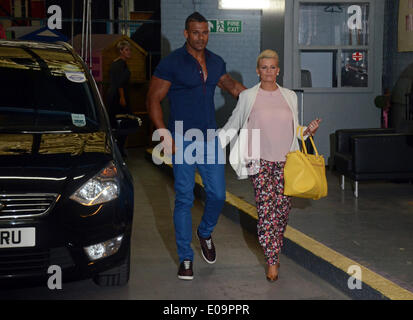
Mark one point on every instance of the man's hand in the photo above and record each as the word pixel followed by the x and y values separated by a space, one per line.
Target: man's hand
pixel 230 85
pixel 168 144
pixel 122 102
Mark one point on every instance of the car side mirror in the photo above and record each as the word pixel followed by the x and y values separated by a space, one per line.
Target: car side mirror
pixel 126 124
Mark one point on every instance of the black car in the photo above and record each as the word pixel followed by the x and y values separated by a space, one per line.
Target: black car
pixel 66 195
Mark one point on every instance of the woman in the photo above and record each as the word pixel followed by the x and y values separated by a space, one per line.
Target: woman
pixel 273 110
pixel 118 93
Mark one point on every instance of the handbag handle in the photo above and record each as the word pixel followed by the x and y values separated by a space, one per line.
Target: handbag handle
pixel 303 144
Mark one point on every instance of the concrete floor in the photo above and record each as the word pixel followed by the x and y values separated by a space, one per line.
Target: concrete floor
pixel 376 229
pixel 239 272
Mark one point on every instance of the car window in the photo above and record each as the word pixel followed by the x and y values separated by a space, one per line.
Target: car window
pixel 44 94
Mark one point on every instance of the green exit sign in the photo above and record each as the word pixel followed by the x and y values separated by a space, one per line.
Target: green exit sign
pixel 225 26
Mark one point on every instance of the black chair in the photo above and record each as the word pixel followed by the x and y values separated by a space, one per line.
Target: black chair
pixel 373 154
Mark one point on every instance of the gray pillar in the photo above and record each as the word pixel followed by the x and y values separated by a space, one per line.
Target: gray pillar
pixel 272 31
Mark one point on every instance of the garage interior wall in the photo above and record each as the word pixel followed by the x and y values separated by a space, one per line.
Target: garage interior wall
pixel 338 110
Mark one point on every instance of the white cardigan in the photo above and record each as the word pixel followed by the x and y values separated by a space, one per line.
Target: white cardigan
pixel 239 120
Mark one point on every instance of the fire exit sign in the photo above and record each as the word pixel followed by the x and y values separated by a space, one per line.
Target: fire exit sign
pixel 225 26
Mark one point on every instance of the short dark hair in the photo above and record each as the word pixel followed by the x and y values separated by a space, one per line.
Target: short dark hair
pixel 194 17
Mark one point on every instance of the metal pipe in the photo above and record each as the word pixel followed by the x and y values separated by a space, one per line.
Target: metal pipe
pixel 73 20
pixel 111 16
pixel 131 8
pixel 90 34
pixel 44 20
pixel 125 16
pixel 302 108
pixel 83 28
pixel 86 32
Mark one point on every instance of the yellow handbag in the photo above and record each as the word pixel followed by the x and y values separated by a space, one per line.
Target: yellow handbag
pixel 305 174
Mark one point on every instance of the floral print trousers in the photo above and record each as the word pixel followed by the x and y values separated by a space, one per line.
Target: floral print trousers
pixel 273 207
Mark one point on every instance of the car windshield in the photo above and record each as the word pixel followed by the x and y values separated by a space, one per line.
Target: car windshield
pixel 40 93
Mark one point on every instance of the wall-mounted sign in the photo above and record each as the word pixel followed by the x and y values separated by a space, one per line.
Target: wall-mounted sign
pixel 225 26
pixel 357 56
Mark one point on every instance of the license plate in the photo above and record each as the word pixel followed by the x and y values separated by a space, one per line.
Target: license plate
pixel 17 237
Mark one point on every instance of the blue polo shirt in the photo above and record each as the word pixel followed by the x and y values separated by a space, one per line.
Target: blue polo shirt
pixel 191 98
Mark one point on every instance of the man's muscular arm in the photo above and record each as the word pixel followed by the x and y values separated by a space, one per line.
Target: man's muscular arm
pixel 231 85
pixel 158 89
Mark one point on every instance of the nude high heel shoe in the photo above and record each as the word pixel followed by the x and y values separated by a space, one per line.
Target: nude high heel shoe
pixel 273 279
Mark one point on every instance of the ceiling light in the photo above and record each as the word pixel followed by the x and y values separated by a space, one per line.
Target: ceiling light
pixel 244 4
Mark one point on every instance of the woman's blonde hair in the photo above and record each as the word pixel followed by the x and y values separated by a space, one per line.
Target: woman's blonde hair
pixel 267 54
pixel 122 44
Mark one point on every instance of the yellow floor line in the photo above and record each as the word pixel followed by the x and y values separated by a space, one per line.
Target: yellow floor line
pixel 386 287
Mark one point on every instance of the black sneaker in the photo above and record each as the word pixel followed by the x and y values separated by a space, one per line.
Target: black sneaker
pixel 207 248
pixel 185 270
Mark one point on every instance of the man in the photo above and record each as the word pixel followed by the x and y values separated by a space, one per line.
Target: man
pixel 189 76
pixel 118 100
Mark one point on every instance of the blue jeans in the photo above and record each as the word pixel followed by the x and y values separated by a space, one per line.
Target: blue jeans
pixel 213 178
